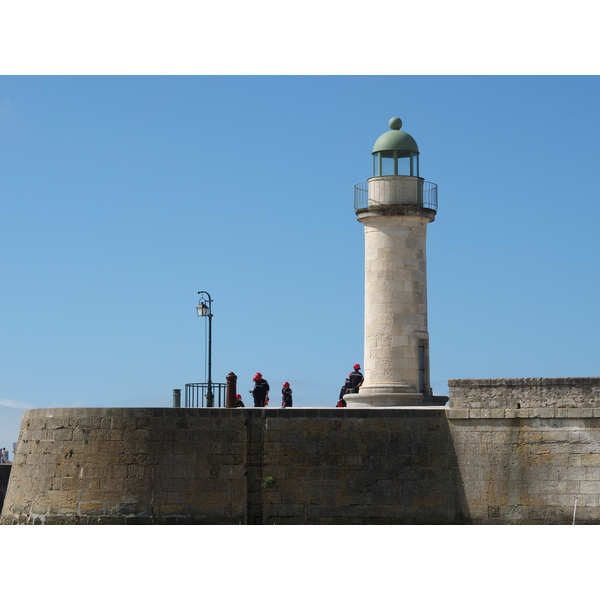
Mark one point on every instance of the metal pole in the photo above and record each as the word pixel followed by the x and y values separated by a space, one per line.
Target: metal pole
pixel 176 398
pixel 209 392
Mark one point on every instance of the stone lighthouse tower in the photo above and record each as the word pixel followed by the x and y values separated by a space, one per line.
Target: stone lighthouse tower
pixel 395 206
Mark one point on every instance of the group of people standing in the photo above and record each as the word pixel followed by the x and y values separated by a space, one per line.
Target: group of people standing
pixel 260 393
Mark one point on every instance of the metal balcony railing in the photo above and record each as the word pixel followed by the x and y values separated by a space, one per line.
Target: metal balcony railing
pixel 195 394
pixel 409 192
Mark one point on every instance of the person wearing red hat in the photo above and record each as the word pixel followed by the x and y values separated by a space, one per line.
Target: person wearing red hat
pixel 238 401
pixel 260 391
pixel 356 379
pixel 286 396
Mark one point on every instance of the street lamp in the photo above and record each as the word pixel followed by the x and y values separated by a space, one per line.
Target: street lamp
pixel 205 310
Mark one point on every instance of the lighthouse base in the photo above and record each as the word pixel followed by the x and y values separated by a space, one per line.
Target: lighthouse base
pixel 372 398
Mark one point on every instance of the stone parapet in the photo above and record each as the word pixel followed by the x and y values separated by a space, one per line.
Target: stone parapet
pixel 527 393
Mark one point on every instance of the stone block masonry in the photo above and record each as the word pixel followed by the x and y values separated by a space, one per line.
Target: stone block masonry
pixel 135 465
pixel 359 466
pixel 506 451
pixel 528 450
pixel 541 392
pixel 528 469
pixel 211 466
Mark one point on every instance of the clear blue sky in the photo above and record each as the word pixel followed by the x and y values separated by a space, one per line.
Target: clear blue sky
pixel 122 197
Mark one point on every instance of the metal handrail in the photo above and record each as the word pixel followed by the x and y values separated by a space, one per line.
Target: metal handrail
pixel 361 195
pixel 428 198
pixel 195 394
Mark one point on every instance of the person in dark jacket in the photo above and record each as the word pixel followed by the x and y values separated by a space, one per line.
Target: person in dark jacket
pixel 286 396
pixel 345 389
pixel 238 401
pixel 356 379
pixel 260 391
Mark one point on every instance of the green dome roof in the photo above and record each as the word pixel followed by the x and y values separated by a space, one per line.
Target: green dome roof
pixel 395 139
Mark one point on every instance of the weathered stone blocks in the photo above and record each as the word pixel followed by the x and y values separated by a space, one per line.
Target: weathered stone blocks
pixel 73 460
pixel 529 393
pixel 537 462
pixel 440 465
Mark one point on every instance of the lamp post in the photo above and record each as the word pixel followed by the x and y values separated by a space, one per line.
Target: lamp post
pixel 205 310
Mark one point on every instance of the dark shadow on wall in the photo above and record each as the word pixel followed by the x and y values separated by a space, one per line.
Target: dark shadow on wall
pixel 434 491
pixel 355 466
pixel 4 477
pixel 461 513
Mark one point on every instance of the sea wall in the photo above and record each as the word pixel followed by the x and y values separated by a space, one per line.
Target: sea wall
pixel 233 466
pixel 115 466
pixel 504 452
pixel 359 466
pixel 527 450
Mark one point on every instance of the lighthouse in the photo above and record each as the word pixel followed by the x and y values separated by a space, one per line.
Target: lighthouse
pixel 395 206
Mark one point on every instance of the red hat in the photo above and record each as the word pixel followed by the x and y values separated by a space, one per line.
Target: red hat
pixel 286 384
pixel 356 366
pixel 257 377
pixel 238 396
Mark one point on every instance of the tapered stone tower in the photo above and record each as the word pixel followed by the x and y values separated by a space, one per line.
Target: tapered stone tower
pixel 395 206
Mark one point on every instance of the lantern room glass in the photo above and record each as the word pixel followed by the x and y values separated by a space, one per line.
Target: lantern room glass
pixel 395 162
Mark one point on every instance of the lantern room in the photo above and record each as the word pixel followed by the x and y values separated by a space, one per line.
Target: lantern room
pixel 395 153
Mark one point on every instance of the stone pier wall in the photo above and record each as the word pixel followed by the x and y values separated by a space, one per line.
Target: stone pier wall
pixel 528 450
pixel 132 465
pixel 360 466
pixel 214 466
pixel 504 452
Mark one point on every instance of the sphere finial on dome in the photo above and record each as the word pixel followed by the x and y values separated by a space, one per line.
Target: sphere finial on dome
pixel 396 139
pixel 395 123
